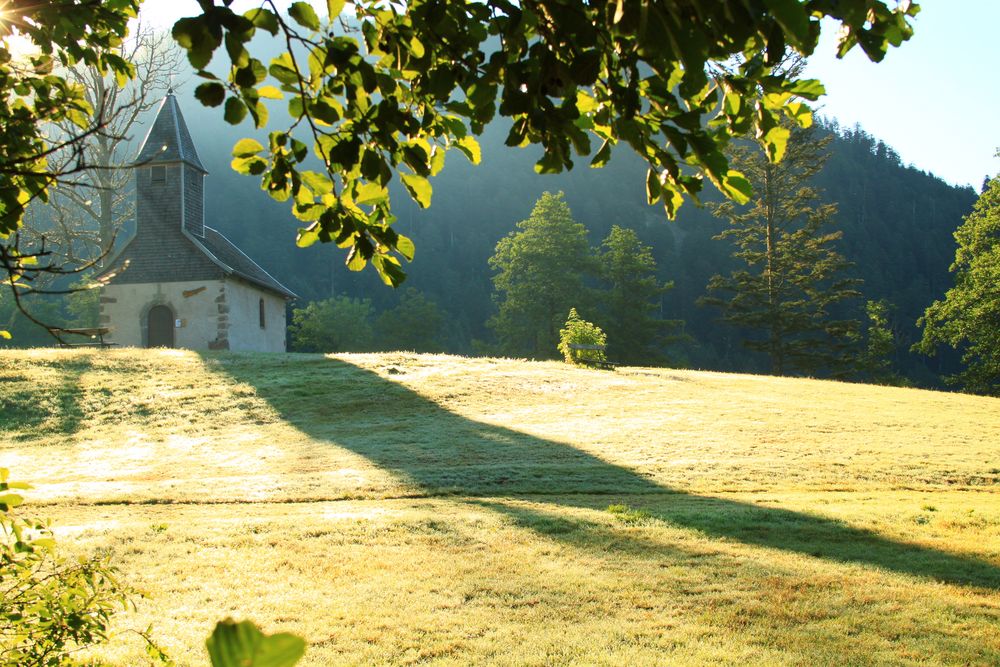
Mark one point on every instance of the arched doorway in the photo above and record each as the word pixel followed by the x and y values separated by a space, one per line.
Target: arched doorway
pixel 160 331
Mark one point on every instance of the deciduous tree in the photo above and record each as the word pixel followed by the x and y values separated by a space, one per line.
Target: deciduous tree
pixel 85 212
pixel 382 91
pixel 968 318
pixel 540 271
pixel 337 324
pixel 416 324
pixel 36 96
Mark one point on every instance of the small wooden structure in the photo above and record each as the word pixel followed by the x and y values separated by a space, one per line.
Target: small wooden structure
pixel 594 362
pixel 96 336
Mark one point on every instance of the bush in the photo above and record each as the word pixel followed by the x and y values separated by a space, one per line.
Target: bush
pixel 582 332
pixel 50 607
pixel 337 324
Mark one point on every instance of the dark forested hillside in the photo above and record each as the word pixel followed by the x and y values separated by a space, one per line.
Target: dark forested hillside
pixel 897 223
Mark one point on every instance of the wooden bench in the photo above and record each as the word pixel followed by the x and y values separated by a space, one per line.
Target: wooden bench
pixel 593 362
pixel 96 336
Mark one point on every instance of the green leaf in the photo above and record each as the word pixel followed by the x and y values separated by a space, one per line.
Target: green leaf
pixel 437 160
pixel 243 645
pixel 470 148
pixel 325 112
pixel 270 92
pixel 10 499
pixel 307 235
pixel 317 182
pixel 236 111
pixel 369 193
pixel 334 7
pixel 195 36
pixel 800 113
pixel 602 156
pixel 405 247
pixel 791 16
pixel 5 334
pixel 389 270
pixel 253 166
pixel 653 187
pixel 47 543
pixel 737 187
pixel 416 48
pixel 355 260
pixel 419 188
pixel 264 19
pixel 211 93
pixel 811 89
pixel 283 69
pixel 585 104
pixel 304 15
pixel 775 142
pixel 247 147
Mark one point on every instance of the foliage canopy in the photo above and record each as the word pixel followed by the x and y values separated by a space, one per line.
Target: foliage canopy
pixel 50 606
pixel 540 271
pixel 384 90
pixel 968 318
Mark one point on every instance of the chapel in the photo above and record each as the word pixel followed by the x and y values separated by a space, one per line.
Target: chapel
pixel 178 282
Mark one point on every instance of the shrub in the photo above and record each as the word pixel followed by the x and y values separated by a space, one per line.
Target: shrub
pixel 50 607
pixel 581 332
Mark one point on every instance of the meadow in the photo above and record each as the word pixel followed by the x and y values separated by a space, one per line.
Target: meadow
pixel 411 509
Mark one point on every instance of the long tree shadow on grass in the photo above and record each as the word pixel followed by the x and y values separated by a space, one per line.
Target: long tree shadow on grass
pixel 35 411
pixel 441 453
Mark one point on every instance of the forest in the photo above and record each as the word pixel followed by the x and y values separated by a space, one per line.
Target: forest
pixel 897 225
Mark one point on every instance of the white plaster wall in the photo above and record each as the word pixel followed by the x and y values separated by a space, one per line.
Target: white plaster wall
pixel 244 318
pixel 123 309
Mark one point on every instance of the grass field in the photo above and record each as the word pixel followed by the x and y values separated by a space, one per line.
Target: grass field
pixel 412 509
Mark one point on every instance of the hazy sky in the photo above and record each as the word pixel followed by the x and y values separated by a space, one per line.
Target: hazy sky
pixel 936 100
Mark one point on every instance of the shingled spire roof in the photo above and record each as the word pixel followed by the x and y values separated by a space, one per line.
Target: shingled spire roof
pixel 168 140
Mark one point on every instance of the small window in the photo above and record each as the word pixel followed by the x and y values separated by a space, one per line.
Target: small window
pixel 261 308
pixel 158 174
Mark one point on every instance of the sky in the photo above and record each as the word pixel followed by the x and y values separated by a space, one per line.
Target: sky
pixel 935 100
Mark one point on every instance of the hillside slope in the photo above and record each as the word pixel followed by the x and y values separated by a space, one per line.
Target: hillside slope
pixel 401 508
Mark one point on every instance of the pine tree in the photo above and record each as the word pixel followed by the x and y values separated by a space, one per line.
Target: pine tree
pixel 875 362
pixel 794 277
pixel 968 319
pixel 635 333
pixel 540 272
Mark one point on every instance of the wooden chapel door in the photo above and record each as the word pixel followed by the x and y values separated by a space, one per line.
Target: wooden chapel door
pixel 160 330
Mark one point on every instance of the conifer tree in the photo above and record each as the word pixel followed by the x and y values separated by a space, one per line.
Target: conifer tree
pixel 875 362
pixel 635 331
pixel 540 272
pixel 794 278
pixel 968 319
